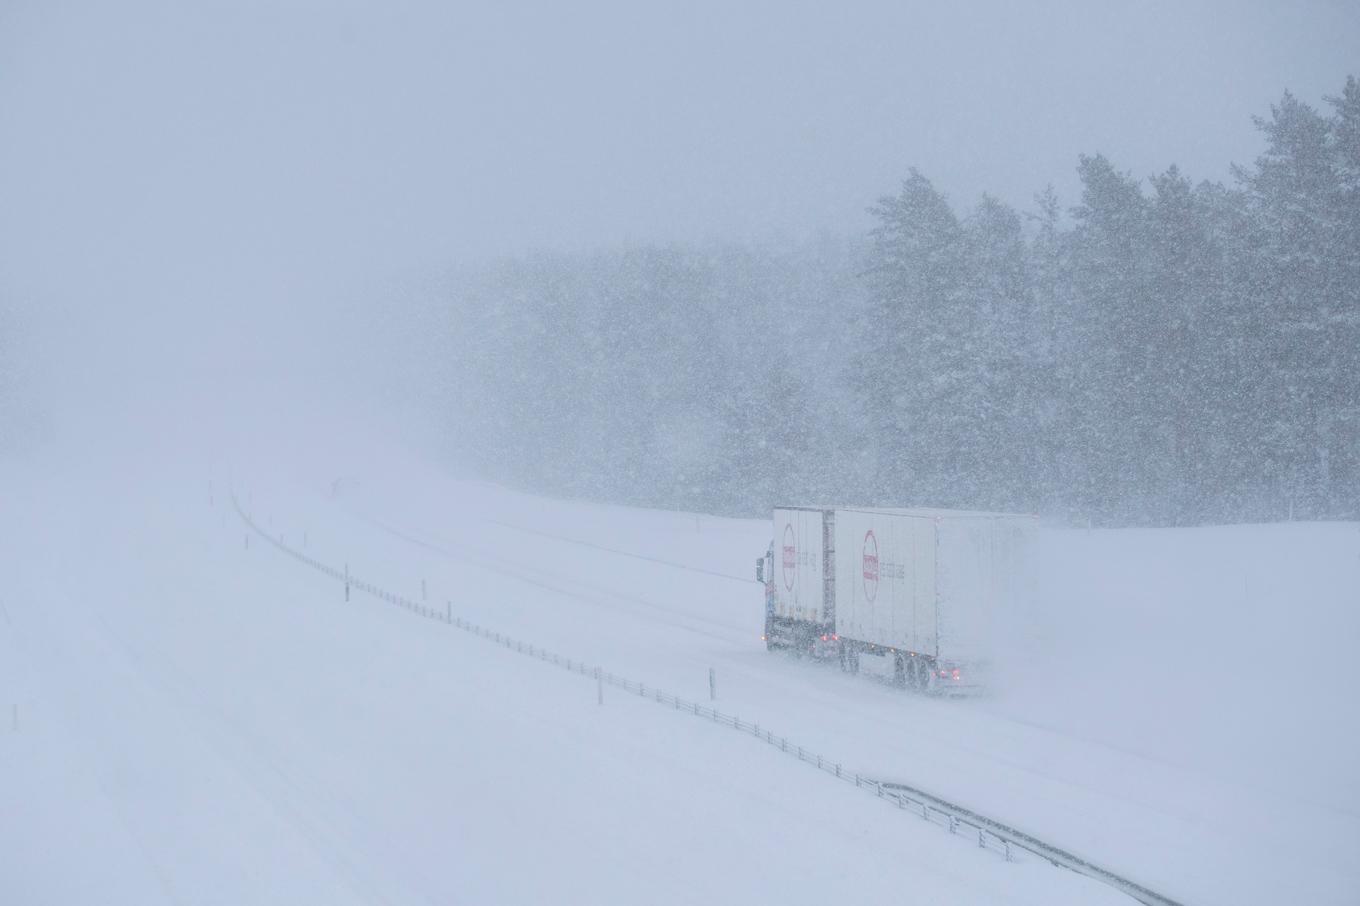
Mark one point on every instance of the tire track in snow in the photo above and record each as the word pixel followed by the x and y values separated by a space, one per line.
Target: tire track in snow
pixel 612 550
pixel 558 584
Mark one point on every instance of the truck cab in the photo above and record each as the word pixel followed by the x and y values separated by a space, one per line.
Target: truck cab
pixel 765 576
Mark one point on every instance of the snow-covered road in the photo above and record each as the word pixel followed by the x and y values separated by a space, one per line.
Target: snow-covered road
pixel 202 723
pixel 1151 742
pixel 199 721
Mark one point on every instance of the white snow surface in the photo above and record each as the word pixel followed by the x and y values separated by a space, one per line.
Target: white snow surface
pixel 188 720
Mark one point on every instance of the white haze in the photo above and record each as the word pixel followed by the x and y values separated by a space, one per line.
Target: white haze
pixel 188 191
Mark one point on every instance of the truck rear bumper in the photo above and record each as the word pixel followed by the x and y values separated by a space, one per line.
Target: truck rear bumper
pixel 806 638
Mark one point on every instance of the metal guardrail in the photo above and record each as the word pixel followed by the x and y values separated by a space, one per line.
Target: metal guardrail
pixel 1019 840
pixel 1009 842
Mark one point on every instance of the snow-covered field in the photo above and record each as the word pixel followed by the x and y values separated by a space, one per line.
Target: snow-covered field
pixel 189 720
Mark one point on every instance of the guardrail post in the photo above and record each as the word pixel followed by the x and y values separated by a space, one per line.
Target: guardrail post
pixel 599 686
pixel 712 685
pixel 346 581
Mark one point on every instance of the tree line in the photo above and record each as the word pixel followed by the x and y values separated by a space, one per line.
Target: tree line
pixel 1163 352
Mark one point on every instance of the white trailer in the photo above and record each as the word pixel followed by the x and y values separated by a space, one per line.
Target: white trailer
pixel 916 590
pixel 799 573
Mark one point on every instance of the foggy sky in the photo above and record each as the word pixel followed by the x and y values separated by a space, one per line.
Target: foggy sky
pixel 193 170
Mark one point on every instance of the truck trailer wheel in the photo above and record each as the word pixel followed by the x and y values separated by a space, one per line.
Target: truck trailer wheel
pixel 901 669
pixel 920 674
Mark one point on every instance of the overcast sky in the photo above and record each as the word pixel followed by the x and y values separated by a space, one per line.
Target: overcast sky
pixel 192 157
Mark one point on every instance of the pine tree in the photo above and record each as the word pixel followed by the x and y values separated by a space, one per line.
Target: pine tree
pixel 1056 471
pixel 1343 289
pixel 909 362
pixel 1112 431
pixel 1304 269
pixel 1001 384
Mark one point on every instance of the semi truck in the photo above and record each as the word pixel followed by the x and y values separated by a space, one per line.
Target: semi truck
pixel 911 593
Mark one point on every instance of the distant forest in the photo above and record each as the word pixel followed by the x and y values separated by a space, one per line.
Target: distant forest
pixel 1165 352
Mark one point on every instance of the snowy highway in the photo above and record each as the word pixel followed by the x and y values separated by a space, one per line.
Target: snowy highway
pixel 989 833
pixel 666 613
pixel 202 722
pixel 207 720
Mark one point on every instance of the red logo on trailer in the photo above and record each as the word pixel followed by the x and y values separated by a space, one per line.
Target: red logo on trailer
pixel 870 566
pixel 790 557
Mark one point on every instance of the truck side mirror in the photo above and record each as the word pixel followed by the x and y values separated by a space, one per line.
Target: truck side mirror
pixel 760 570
